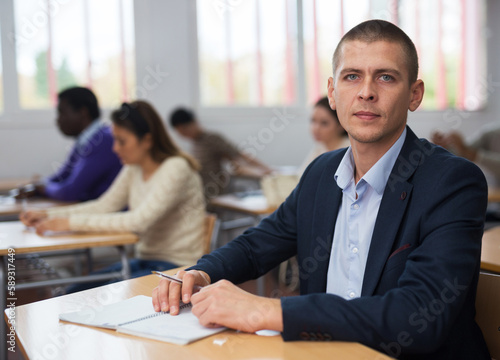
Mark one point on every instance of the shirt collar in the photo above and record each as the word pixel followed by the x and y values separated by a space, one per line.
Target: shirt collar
pixel 345 172
pixel 89 131
pixel 379 173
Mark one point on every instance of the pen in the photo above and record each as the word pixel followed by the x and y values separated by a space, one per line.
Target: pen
pixel 176 280
pixel 171 278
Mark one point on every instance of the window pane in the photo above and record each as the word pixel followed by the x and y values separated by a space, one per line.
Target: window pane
pixel 31 22
pixel 247 52
pixel 212 54
pixel 451 51
pixel 279 41
pixel 92 44
pixel 69 55
pixel 112 72
pixel 319 44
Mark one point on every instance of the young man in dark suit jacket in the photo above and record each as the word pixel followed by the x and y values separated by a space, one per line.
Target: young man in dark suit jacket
pixel 387 232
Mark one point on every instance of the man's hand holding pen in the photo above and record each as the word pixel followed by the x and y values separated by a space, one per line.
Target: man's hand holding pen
pixel 218 304
pixel 167 295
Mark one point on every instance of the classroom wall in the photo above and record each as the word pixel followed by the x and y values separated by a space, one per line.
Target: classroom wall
pixel 166 76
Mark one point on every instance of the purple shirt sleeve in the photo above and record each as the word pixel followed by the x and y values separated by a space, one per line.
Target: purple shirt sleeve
pixel 88 171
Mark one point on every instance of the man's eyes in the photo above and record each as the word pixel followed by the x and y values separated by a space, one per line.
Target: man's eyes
pixel 384 77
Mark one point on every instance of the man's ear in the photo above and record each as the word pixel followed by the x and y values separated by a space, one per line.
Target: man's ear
pixel 331 98
pixel 417 94
pixel 84 111
pixel 85 115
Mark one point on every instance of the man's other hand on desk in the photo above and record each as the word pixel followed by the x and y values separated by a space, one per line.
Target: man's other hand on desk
pixel 219 304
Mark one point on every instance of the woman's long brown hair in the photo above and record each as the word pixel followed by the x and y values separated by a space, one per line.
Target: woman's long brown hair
pixel 141 118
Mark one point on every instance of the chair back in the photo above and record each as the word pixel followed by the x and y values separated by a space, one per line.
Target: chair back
pixel 211 233
pixel 488 311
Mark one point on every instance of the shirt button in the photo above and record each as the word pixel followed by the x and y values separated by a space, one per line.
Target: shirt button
pixel 355 206
pixel 355 250
pixel 352 294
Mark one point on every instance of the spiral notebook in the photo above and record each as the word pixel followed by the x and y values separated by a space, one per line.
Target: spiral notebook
pixel 136 316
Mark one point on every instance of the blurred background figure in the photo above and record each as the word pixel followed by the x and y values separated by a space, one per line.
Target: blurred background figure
pixel 484 150
pixel 328 135
pixel 159 185
pixel 326 130
pixel 91 165
pixel 212 150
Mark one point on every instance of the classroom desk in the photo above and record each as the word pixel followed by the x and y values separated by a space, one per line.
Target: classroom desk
pixel 9 184
pixel 10 207
pixel 16 240
pixel 254 205
pixel 490 252
pixel 40 335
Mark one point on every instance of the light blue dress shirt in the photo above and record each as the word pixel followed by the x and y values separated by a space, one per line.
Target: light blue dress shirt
pixel 356 221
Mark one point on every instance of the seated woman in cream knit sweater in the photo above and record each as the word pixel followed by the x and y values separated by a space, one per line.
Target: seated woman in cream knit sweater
pixel 160 187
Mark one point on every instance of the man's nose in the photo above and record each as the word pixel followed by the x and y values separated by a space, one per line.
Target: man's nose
pixel 367 91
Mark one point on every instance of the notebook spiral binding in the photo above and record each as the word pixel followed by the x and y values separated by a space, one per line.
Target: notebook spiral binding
pixel 183 306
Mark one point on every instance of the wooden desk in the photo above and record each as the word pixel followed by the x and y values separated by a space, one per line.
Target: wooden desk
pixel 493 195
pixel 254 205
pixel 39 334
pixel 490 252
pixel 9 184
pixel 16 240
pixel 11 207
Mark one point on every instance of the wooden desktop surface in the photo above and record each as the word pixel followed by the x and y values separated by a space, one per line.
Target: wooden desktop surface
pixel 13 234
pixel 11 207
pixel 253 205
pixel 490 253
pixel 12 183
pixel 40 334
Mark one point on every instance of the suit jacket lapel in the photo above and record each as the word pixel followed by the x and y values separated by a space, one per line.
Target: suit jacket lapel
pixel 326 209
pixel 392 208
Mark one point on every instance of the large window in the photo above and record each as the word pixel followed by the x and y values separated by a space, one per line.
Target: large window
pixel 249 50
pixel 79 42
